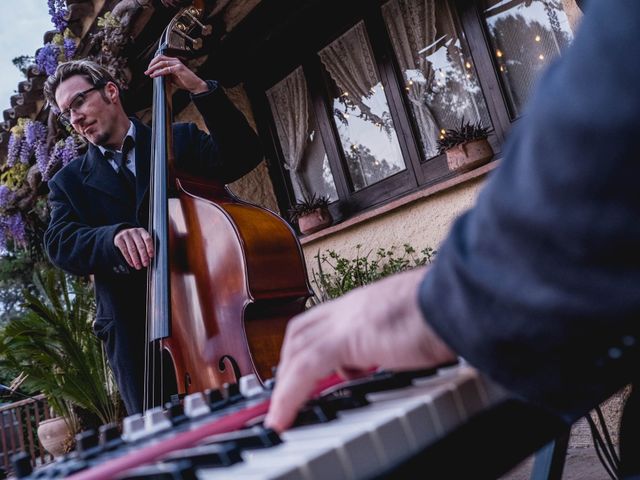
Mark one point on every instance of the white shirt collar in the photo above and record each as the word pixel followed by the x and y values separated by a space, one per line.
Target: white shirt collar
pixel 130 133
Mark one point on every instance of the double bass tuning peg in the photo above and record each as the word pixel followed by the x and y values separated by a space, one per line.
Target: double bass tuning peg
pixel 186 24
pixel 192 13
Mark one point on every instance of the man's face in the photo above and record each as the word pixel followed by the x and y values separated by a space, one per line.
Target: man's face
pixel 92 112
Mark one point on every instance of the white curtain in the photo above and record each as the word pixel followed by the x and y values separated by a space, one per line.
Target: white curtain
pixel 351 65
pixel 290 106
pixel 412 28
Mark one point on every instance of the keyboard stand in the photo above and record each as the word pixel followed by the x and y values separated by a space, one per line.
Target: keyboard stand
pixel 549 460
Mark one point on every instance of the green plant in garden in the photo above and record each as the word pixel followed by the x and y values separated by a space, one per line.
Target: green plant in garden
pixel 337 275
pixel 53 346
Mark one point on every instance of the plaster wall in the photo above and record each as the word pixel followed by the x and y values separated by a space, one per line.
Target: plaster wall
pixel 423 223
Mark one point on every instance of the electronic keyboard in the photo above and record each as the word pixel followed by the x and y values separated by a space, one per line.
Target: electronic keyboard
pixel 350 430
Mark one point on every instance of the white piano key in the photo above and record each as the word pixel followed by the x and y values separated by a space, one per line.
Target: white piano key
pixel 240 471
pixel 389 437
pixel 355 446
pixel 317 460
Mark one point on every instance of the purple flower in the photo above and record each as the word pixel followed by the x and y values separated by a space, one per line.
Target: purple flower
pixel 42 158
pixel 70 150
pixel 58 12
pixel 25 151
pixel 12 227
pixel 13 149
pixel 34 133
pixel 69 47
pixel 54 161
pixel 47 58
pixel 6 196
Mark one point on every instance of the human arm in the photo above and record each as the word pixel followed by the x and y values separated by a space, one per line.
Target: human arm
pixel 231 149
pixel 379 325
pixel 74 245
pixel 538 285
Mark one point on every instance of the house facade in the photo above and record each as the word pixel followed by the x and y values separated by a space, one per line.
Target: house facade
pixel 349 98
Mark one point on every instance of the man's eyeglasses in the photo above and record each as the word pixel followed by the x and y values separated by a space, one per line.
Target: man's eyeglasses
pixel 76 104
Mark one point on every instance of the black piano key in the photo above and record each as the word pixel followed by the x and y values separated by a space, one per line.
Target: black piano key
pixel 109 436
pixel 215 455
pixel 175 413
pixel 326 409
pixel 182 470
pixel 21 463
pixel 254 437
pixel 88 444
pixel 380 381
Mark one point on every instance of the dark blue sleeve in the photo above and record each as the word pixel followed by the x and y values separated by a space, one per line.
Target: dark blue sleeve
pixel 539 284
pixel 230 150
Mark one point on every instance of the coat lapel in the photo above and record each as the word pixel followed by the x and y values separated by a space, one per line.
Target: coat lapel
pixel 101 176
pixel 143 156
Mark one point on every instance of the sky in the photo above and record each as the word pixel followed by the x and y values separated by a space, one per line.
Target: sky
pixel 22 27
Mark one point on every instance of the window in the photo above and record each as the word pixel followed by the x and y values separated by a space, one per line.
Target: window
pixel 356 114
pixel 305 158
pixel 440 82
pixel 360 110
pixel 525 37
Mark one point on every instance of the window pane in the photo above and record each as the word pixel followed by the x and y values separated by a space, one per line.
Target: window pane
pixel 525 36
pixel 300 140
pixel 440 79
pixel 360 110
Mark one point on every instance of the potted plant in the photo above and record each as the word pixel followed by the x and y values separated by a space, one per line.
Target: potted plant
pixel 312 213
pixel 54 349
pixel 466 147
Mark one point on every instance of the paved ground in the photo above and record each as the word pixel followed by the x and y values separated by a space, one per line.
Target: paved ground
pixel 582 463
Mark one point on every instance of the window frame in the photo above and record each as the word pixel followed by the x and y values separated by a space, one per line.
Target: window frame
pixel 420 172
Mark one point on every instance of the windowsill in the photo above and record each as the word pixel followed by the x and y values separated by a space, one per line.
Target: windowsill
pixel 400 202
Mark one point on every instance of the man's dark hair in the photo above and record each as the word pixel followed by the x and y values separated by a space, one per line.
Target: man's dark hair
pixel 96 74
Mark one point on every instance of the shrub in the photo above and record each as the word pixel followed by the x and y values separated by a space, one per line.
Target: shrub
pixel 337 275
pixel 53 345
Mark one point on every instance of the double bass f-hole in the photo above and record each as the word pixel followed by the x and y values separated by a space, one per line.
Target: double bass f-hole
pixel 222 365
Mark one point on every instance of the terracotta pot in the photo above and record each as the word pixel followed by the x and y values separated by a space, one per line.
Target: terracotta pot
pixel 314 221
pixel 52 434
pixel 467 156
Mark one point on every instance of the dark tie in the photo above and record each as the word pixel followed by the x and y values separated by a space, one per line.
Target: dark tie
pixel 121 160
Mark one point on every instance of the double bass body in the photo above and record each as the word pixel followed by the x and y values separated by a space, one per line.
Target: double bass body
pixel 237 277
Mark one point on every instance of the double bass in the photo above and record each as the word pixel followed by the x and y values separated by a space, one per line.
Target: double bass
pixel 227 275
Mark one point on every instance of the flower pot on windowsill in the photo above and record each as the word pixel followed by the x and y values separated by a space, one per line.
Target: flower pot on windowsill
pixel 315 220
pixel 469 155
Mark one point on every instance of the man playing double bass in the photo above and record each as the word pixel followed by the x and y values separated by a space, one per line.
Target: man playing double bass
pixel 99 201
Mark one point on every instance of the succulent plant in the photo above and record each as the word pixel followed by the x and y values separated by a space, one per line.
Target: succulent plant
pixel 467 132
pixel 308 205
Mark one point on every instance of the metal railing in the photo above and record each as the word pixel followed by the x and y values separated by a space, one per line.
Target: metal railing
pixel 19 431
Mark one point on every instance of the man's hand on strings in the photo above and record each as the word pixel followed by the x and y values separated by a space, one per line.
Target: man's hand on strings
pixel 177 73
pixel 136 246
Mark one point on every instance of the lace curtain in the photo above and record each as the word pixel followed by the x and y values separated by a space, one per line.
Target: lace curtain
pixel 412 27
pixel 289 102
pixel 350 63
